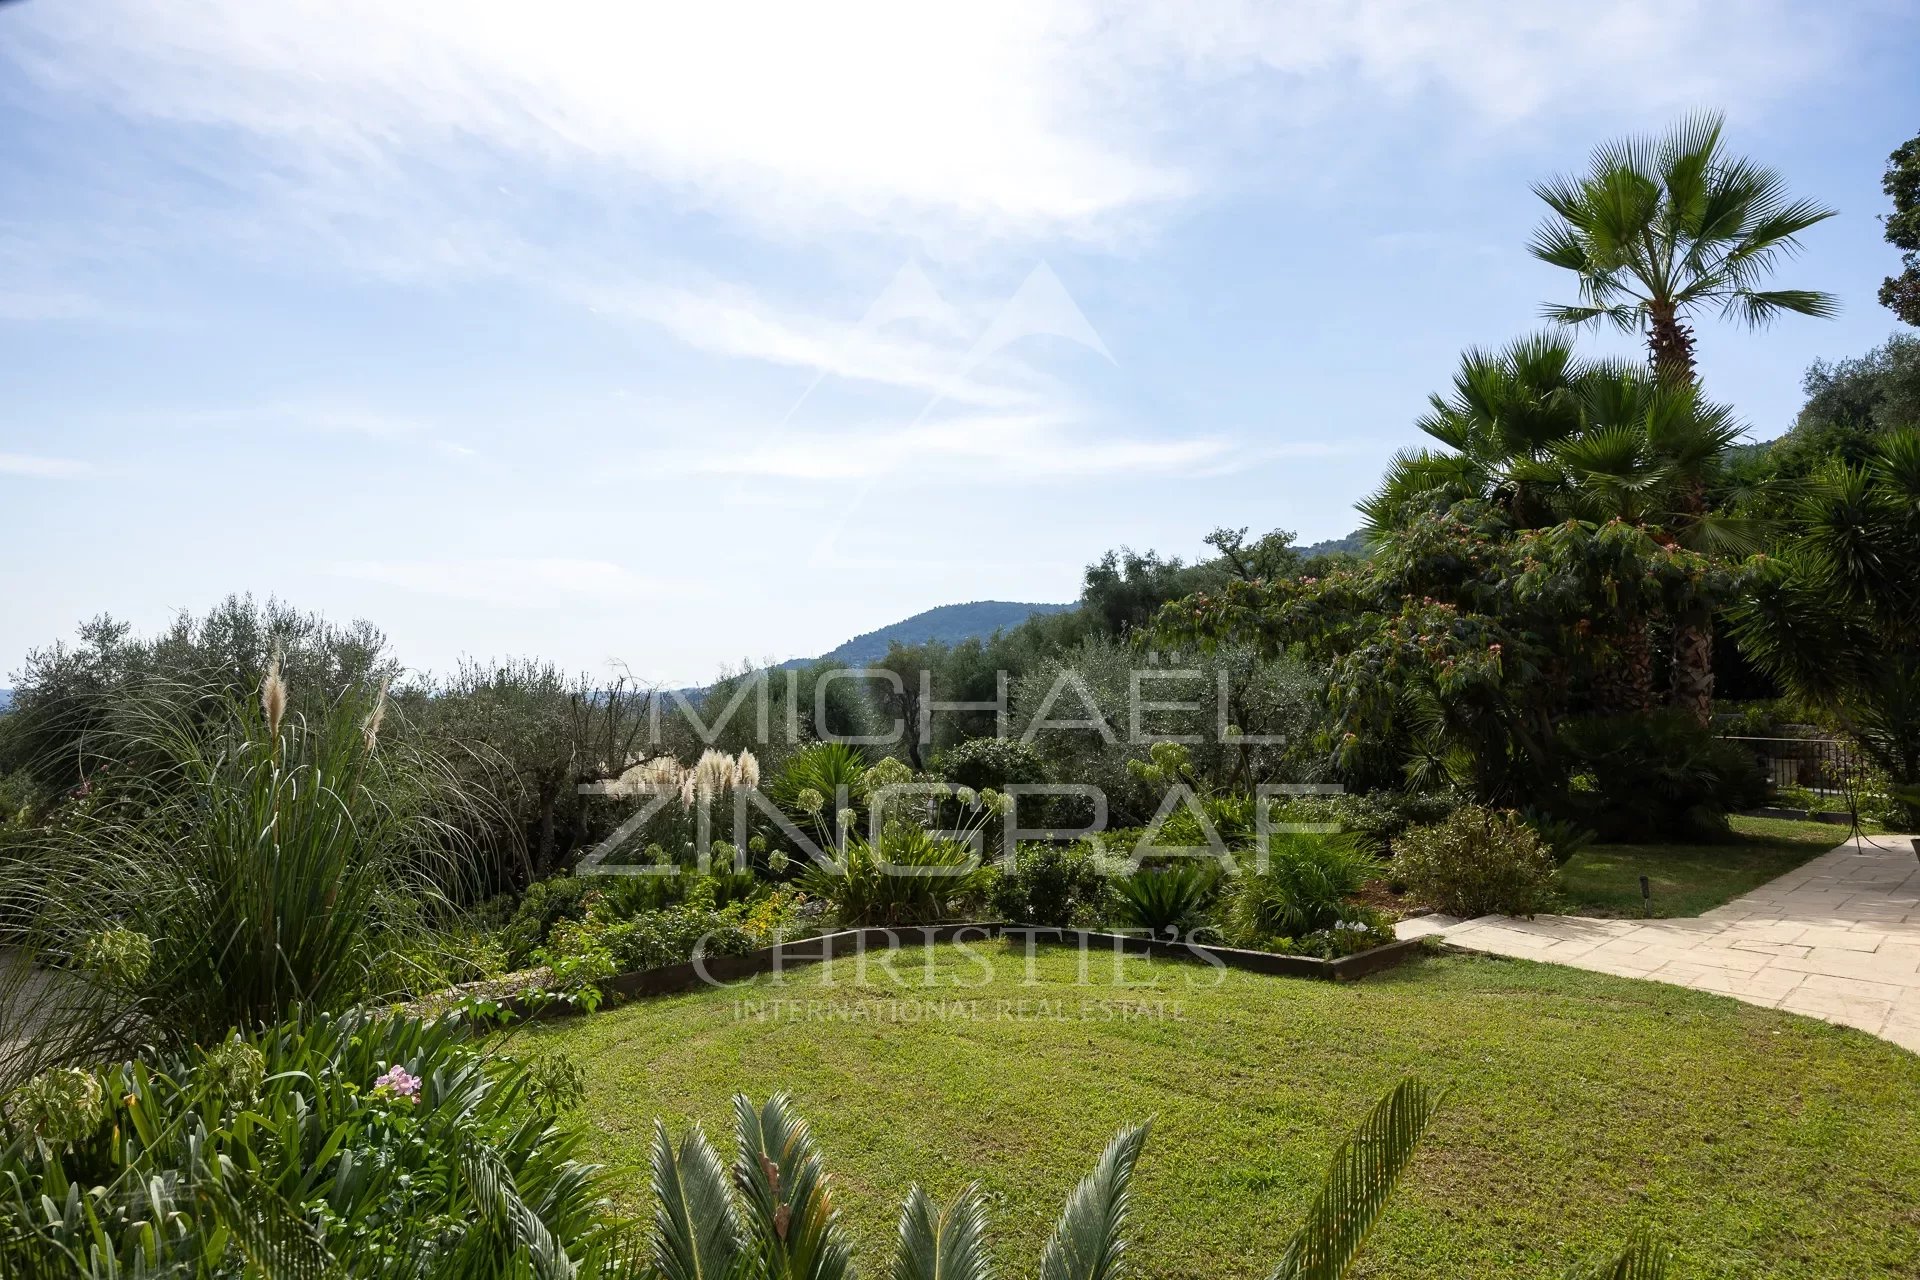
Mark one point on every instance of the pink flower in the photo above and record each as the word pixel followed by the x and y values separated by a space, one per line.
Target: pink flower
pixel 399 1084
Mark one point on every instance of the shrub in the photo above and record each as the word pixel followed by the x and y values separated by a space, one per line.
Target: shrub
pixel 1169 900
pixel 1656 776
pixel 1053 884
pixel 547 903
pixel 338 1146
pixel 1478 862
pixel 1303 888
pixel 990 763
pixel 909 877
pixel 1375 816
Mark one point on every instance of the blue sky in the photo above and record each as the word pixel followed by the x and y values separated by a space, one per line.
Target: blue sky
pixel 683 335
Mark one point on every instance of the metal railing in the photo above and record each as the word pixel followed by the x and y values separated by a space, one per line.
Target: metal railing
pixel 1824 766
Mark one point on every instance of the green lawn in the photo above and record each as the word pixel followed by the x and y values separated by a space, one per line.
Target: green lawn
pixel 1687 879
pixel 1583 1106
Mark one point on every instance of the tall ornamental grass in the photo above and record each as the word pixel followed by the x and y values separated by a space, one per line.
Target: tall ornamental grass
pixel 238 868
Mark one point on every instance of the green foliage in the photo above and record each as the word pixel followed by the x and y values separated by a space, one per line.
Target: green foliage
pixel 1376 817
pixel 907 877
pixel 1656 776
pixel 819 781
pixel 1477 862
pixel 526 735
pixel 1901 293
pixel 329 1147
pixel 1275 696
pixel 254 854
pixel 1299 887
pixel 983 763
pixel 1835 615
pixel 1659 228
pixel 777 1217
pixel 1058 885
pixel 77 708
pixel 1168 901
pixel 1454 650
pixel 1359 1182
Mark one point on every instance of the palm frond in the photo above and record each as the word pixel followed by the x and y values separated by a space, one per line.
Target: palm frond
pixel 789 1195
pixel 1090 1242
pixel 1364 1173
pixel 938 1243
pixel 1642 1259
pixel 1759 307
pixel 697 1232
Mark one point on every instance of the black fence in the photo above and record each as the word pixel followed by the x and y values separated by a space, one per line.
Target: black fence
pixel 1825 766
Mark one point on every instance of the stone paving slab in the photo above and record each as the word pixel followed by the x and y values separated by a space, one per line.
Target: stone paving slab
pixel 1836 939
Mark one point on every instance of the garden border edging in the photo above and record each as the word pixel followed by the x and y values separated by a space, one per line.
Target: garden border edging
pixel 686 975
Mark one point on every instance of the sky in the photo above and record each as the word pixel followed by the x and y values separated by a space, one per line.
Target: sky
pixel 677 336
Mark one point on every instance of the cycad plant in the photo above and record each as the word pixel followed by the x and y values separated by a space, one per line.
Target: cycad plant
pixel 907 876
pixel 772 1213
pixel 1167 901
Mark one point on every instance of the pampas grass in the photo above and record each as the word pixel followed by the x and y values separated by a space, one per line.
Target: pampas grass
pixel 253 856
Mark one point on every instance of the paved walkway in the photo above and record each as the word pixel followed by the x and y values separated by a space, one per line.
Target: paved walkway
pixel 1838 938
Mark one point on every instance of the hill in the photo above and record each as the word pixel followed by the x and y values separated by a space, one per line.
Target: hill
pixel 1355 542
pixel 949 624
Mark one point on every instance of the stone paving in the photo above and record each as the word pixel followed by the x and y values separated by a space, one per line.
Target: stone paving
pixel 1838 939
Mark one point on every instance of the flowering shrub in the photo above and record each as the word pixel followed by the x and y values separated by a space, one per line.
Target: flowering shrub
pixel 342 1146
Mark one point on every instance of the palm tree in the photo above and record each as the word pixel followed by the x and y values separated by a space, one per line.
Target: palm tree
pixel 1649 451
pixel 1544 437
pixel 1507 412
pixel 1657 229
pixel 1660 227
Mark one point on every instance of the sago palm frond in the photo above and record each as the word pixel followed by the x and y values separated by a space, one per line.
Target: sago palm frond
pixel 1364 1173
pixel 697 1233
pixel 789 1196
pixel 939 1243
pixel 1090 1240
pixel 1643 1259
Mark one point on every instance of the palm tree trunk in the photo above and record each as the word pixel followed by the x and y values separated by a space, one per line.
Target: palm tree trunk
pixel 1692 688
pixel 1669 346
pixel 1626 685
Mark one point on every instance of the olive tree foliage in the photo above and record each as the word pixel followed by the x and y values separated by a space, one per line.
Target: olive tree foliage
pixel 68 696
pixel 528 735
pixel 1087 713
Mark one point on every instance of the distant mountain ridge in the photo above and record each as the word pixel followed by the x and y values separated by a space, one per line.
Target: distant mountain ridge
pixel 1355 542
pixel 948 624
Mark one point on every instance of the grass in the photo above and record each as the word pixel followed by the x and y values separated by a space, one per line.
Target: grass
pixel 1687 879
pixel 1582 1106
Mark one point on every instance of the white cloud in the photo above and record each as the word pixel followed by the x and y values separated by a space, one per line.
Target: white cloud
pixel 731 321
pixel 25 464
pixel 436 118
pixel 516 582
pixel 1011 449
